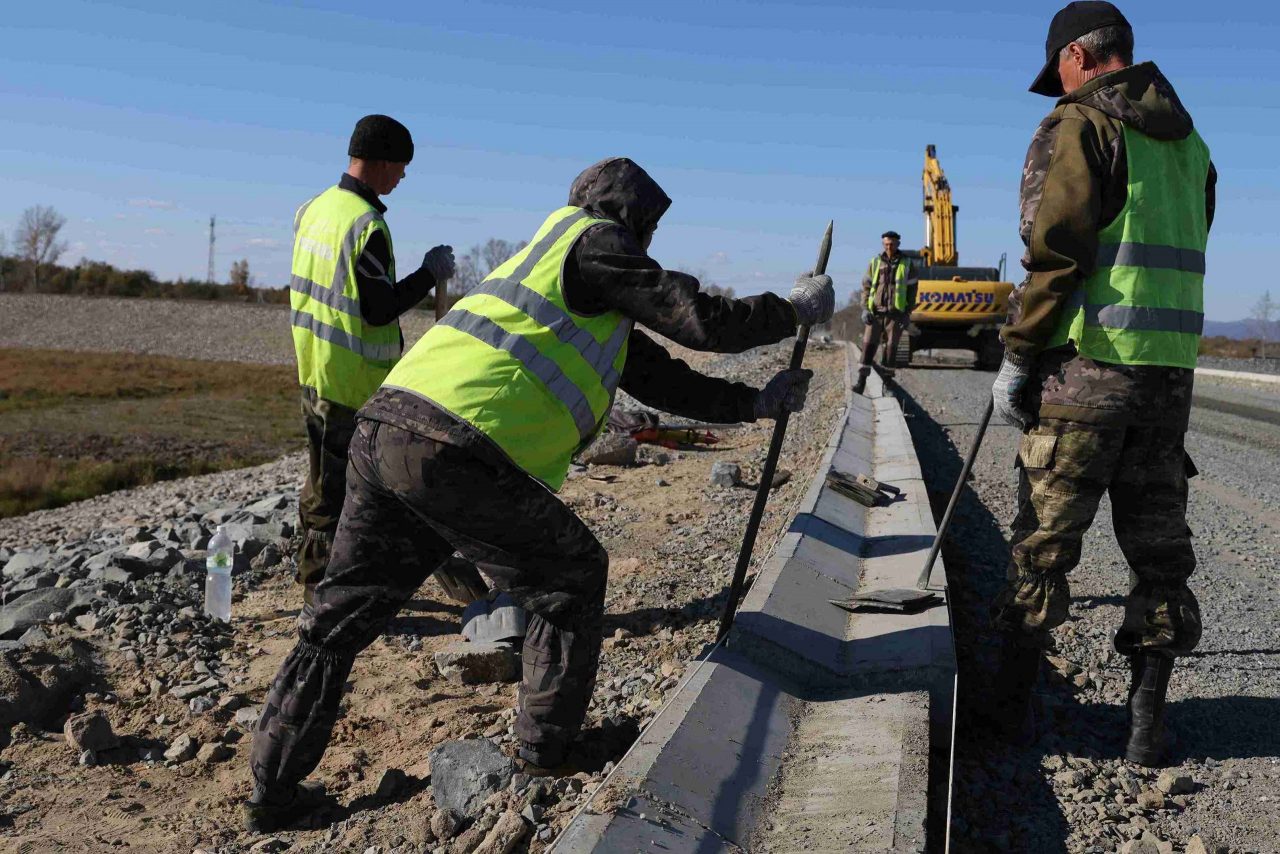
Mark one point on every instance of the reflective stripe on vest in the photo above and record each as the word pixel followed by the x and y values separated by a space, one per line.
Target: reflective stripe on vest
pixel 900 295
pixel 516 363
pixel 339 355
pixel 1144 302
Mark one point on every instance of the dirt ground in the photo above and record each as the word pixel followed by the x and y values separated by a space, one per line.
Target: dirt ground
pixel 672 538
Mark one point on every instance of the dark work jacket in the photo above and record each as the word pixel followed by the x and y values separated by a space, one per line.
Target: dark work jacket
pixel 609 269
pixel 382 300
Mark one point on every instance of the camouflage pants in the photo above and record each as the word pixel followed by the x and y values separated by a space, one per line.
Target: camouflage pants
pixel 1065 467
pixel 411 501
pixel 329 429
pixel 871 332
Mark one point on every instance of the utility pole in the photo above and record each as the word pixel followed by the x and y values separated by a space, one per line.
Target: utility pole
pixel 209 275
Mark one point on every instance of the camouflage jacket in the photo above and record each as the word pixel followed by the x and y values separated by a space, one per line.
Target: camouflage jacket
pixel 1075 182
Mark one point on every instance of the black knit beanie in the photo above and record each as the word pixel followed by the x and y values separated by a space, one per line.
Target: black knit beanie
pixel 380 137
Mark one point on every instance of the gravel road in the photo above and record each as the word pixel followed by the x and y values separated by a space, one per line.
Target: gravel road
pixel 1253 366
pixel 1070 792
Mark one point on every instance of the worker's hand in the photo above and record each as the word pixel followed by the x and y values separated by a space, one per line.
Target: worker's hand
pixel 439 263
pixel 814 299
pixel 784 393
pixel 866 317
pixel 1006 393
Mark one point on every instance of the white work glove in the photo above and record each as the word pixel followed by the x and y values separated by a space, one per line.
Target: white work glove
pixel 814 299
pixel 1006 393
pixel 439 263
pixel 786 392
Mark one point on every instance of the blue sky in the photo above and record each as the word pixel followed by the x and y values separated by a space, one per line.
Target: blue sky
pixel 762 121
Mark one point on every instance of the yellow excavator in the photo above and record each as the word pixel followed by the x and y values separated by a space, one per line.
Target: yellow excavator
pixel 959 308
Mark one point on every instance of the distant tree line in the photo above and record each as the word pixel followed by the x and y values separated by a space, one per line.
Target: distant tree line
pixel 30 264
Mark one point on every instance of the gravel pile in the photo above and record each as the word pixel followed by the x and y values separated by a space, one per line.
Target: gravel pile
pixel 147 705
pixel 1070 792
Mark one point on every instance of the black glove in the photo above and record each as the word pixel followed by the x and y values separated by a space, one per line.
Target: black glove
pixel 439 263
pixel 866 316
pixel 784 393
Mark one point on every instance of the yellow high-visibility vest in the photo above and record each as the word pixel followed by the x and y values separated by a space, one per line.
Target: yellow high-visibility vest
pixel 515 362
pixel 339 355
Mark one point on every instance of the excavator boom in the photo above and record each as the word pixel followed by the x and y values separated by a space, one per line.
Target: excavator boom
pixel 939 215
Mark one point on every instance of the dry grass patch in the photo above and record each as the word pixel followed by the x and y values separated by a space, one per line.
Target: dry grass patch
pixel 75 425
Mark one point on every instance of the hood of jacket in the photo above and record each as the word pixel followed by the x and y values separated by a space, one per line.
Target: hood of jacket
pixel 1141 97
pixel 618 189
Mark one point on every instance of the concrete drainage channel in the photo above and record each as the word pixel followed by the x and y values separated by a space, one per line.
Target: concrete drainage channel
pixel 811 728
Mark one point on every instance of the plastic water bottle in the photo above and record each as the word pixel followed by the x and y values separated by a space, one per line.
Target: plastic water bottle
pixel 217 583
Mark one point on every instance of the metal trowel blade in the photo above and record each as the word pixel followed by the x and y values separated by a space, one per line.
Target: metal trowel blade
pixel 903 600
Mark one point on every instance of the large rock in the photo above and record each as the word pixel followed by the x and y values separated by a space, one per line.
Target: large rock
pixel 1172 783
pixel 477 663
pixel 23 564
pixel 267 506
pixel 184 747
pixel 465 773
pixel 208 754
pixel 505 836
pixel 37 684
pixel 39 580
pixel 35 607
pixel 726 474
pixel 611 449
pixel 90 731
pixel 186 692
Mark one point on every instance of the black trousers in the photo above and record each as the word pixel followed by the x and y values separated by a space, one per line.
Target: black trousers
pixel 329 429
pixel 411 502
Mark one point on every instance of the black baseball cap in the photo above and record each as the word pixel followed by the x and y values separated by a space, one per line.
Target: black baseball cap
pixel 1073 21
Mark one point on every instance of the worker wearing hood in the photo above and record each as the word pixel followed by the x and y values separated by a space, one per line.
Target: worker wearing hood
pixel 470 435
pixel 1101 342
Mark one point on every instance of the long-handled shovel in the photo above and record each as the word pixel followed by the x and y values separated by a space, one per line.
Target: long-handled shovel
pixel 770 463
pixel 907 599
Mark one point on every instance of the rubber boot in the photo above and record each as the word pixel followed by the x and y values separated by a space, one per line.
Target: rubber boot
pixel 861 384
pixel 1147 743
pixel 1011 696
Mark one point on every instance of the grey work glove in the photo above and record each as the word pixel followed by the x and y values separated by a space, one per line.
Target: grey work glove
pixel 866 317
pixel 814 299
pixel 784 393
pixel 439 263
pixel 1006 393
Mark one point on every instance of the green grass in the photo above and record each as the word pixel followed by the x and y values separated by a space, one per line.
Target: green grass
pixel 75 425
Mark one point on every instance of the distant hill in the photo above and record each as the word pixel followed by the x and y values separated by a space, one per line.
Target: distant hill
pixel 1239 329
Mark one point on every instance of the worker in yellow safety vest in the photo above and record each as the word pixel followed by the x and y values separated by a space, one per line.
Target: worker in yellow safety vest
pixel 345 303
pixel 1100 356
pixel 888 287
pixel 471 435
